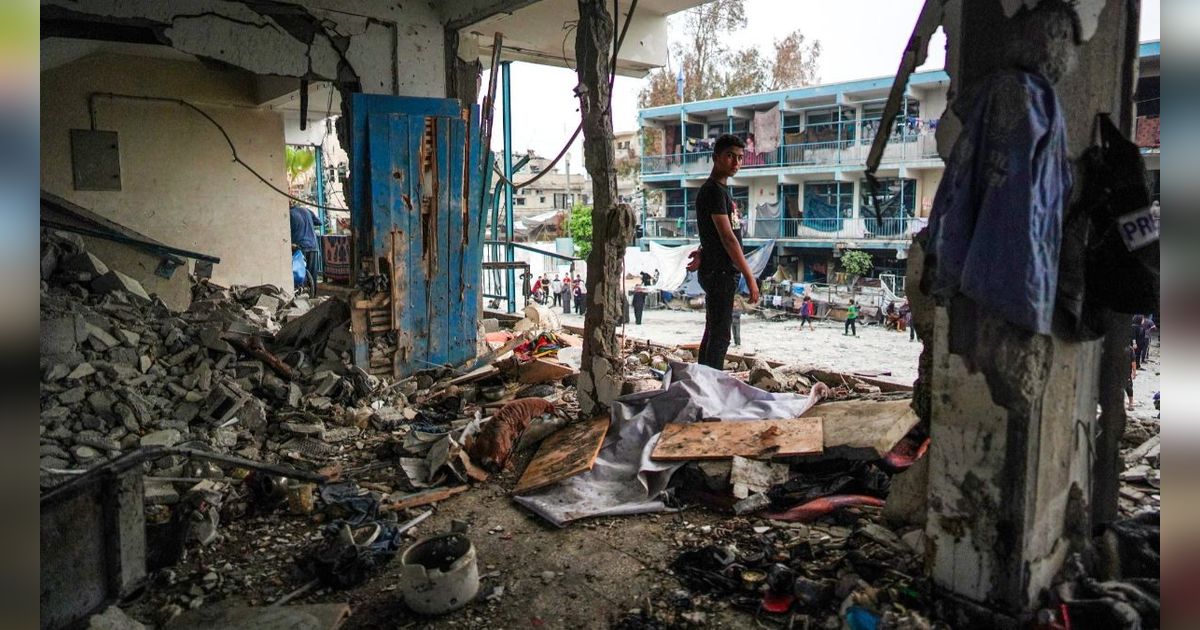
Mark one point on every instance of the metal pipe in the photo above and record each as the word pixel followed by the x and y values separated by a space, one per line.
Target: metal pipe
pixel 320 164
pixel 510 276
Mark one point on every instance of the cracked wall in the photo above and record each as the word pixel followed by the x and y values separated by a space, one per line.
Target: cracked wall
pixel 178 183
pixel 385 48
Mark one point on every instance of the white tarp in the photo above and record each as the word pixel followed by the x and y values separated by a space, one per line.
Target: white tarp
pixel 672 264
pixel 624 480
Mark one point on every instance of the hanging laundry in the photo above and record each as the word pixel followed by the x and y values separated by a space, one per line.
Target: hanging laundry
pixel 996 223
pixel 766 130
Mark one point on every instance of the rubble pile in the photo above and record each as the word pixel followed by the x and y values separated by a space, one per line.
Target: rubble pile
pixel 852 572
pixel 249 371
pixel 1140 481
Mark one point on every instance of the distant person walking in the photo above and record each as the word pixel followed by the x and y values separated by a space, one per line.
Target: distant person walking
pixel 639 303
pixel 808 308
pixel 1133 352
pixel 912 331
pixel 580 292
pixel 564 295
pixel 736 321
pixel 556 290
pixel 304 236
pixel 1148 328
pixel 851 319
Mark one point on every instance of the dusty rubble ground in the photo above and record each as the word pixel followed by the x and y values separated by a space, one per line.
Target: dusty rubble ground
pixel 250 371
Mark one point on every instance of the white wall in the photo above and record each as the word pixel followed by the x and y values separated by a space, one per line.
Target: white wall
pixel 178 183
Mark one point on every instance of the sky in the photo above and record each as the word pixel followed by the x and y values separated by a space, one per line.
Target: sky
pixel 859 39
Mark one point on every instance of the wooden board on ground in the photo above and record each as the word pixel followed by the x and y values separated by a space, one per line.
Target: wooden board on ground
pixel 418 499
pixel 570 451
pixel 864 429
pixel 543 371
pixel 475 375
pixel 749 438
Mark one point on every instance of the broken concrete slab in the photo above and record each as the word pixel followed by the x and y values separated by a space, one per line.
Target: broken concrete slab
pixel 117 281
pixel 101 338
pixel 83 370
pixel 85 263
pixel 62 335
pixel 113 618
pixel 306 617
pixel 165 437
pixel 864 429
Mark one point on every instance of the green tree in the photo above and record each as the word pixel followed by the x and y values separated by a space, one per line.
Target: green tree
pixel 579 224
pixel 857 263
pixel 712 70
pixel 298 161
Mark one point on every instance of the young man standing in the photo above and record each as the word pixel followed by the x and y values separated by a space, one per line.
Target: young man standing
pixel 722 261
pixel 556 290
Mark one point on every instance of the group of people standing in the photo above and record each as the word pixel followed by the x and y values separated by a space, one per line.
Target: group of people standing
pixel 561 291
pixel 1141 329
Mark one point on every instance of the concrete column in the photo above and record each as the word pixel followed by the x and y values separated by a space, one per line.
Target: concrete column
pixel 1013 413
pixel 612 223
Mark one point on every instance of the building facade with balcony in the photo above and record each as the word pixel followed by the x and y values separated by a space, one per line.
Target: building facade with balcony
pixel 803 182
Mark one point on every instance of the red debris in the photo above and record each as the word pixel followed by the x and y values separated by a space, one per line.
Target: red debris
pixel 497 438
pixel 817 508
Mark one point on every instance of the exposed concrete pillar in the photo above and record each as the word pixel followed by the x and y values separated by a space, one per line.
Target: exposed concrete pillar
pixel 1014 413
pixel 612 223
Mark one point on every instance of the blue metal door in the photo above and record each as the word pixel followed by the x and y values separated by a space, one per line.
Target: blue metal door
pixel 415 213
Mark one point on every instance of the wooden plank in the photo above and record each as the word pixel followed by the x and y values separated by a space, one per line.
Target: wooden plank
pixel 864 429
pixel 475 375
pixel 750 438
pixel 570 451
pixel 425 497
pixel 543 370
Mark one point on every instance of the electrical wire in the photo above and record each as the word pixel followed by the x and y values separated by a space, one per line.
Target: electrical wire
pixel 232 148
pixel 618 40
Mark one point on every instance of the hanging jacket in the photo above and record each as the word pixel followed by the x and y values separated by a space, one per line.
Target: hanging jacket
pixel 996 223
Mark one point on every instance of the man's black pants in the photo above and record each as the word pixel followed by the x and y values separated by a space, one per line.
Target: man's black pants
pixel 719 288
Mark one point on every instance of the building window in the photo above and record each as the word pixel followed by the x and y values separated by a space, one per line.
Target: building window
pixel 790 194
pixel 541 200
pixel 907 125
pixel 676 207
pixel 518 201
pixel 895 197
pixel 832 125
pixel 828 200
pixel 562 201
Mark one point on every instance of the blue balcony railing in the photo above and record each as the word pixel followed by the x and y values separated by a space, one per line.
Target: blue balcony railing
pixel 836 152
pixel 832 229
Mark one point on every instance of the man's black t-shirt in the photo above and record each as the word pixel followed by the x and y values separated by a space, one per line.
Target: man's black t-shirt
pixel 713 199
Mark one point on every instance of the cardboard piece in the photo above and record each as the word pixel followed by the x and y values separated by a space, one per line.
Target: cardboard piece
pixel 543 370
pixel 752 438
pixel 566 453
pixel 864 429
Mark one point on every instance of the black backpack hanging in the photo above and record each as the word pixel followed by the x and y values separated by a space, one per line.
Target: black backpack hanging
pixel 1122 257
